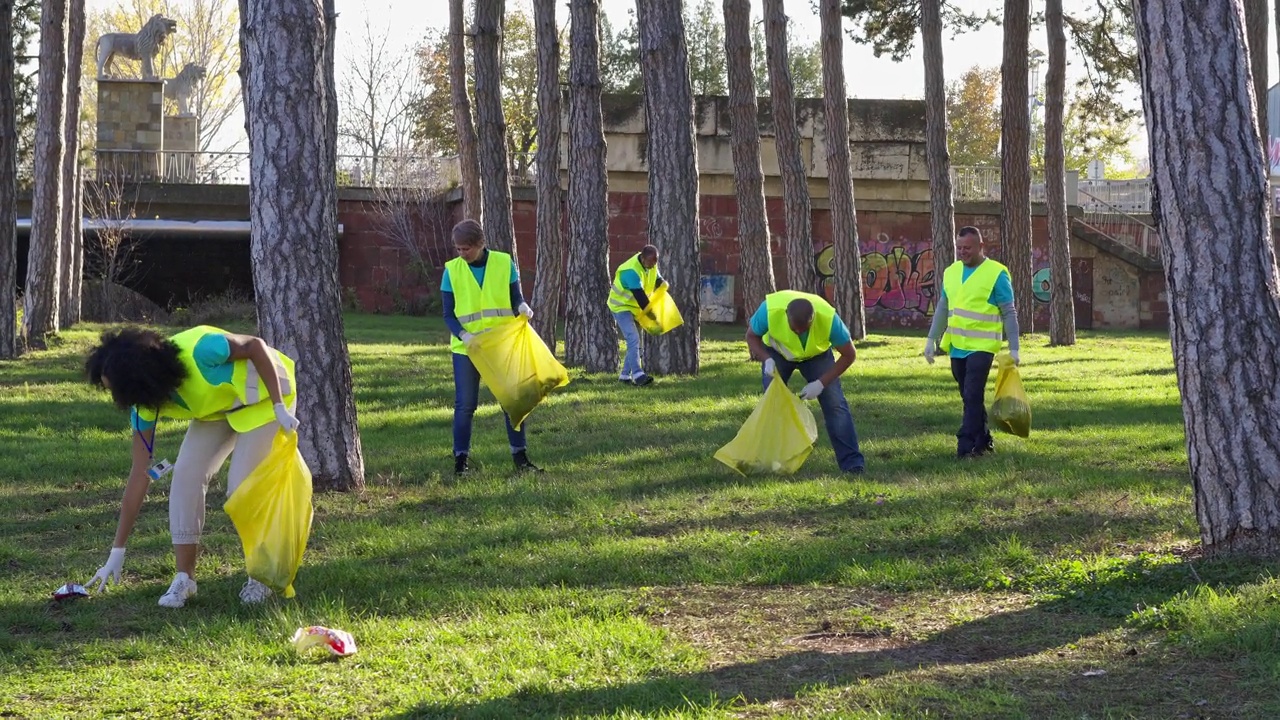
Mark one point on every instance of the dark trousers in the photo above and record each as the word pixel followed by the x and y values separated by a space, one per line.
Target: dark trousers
pixel 466 396
pixel 971 374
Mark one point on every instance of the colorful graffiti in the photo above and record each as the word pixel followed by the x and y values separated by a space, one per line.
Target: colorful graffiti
pixel 893 280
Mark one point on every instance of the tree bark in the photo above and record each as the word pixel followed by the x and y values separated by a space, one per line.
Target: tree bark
pixel 673 179
pixel 548 283
pixel 844 214
pixel 468 155
pixel 802 270
pixel 942 210
pixel 1062 307
pixel 755 252
pixel 492 131
pixel 72 254
pixel 1209 181
pixel 590 339
pixel 40 303
pixel 293 195
pixel 1255 16
pixel 1015 160
pixel 8 188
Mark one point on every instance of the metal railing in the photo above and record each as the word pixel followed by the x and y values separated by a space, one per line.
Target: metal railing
pixel 1119 225
pixel 982 184
pixel 193 168
pixel 1130 196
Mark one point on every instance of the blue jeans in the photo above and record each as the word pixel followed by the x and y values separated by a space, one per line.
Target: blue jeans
pixel 835 409
pixel 627 324
pixel 466 394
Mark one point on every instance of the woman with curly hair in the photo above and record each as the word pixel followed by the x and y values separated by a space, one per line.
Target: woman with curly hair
pixel 234 389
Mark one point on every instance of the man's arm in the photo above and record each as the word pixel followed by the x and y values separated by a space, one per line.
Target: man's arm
pixel 847 354
pixel 1010 317
pixel 755 345
pixel 939 324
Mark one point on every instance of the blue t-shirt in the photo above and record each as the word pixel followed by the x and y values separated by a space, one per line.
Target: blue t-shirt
pixel 447 286
pixel 1001 293
pixel 839 331
pixel 631 280
pixel 212 357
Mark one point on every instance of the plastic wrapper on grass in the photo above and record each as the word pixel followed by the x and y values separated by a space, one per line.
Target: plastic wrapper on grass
pixel 338 642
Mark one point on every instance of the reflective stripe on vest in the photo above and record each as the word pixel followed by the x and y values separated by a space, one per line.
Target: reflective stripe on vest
pixel 973 323
pixel 479 308
pixel 780 336
pixel 622 299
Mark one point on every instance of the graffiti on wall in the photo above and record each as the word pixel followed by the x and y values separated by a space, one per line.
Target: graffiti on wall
pixel 893 277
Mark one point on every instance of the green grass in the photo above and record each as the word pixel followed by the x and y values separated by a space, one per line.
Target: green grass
pixel 639 577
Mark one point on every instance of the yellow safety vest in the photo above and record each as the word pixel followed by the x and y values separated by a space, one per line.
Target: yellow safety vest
pixel 780 336
pixel 973 323
pixel 244 402
pixel 480 308
pixel 622 299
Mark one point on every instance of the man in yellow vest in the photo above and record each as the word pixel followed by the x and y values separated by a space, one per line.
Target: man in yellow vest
pixel 633 282
pixel 975 304
pixel 795 330
pixel 480 289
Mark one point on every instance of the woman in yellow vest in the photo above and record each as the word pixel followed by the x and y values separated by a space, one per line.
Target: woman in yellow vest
pixel 795 330
pixel 633 282
pixel 234 389
pixel 480 290
pixel 976 303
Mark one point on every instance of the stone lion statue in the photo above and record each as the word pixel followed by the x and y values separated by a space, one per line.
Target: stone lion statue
pixel 141 46
pixel 179 88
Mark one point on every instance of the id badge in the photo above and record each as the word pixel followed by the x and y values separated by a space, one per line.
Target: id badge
pixel 160 469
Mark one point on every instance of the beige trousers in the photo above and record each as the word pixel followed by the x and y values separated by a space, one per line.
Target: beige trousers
pixel 204 449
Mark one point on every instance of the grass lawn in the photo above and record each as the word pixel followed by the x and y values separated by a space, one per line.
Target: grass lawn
pixel 640 578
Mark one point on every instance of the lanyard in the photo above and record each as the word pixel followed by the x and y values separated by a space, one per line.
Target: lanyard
pixel 150 444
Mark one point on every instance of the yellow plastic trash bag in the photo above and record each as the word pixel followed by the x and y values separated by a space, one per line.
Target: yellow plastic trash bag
pixel 272 513
pixel 517 366
pixel 662 315
pixel 777 437
pixel 1010 411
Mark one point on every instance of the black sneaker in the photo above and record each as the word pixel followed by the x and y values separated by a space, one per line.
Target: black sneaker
pixel 460 464
pixel 521 460
pixel 642 379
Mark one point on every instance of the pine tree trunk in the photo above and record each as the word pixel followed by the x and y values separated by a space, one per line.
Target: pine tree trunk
pixel 673 179
pixel 1196 96
pixel 468 154
pixel 1062 307
pixel 590 338
pixel 40 303
pixel 72 232
pixel 942 210
pixel 1255 17
pixel 8 189
pixel 293 195
pixel 844 215
pixel 1015 160
pixel 548 284
pixel 492 131
pixel 754 249
pixel 802 271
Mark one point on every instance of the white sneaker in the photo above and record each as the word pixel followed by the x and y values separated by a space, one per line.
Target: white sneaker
pixel 254 592
pixel 179 590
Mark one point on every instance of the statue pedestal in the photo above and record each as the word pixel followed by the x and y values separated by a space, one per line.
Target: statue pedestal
pixel 130 129
pixel 181 148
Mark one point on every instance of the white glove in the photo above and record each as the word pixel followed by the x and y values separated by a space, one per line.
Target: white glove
pixel 110 572
pixel 466 337
pixel 769 366
pixel 525 310
pixel 812 390
pixel 1016 360
pixel 930 349
pixel 286 419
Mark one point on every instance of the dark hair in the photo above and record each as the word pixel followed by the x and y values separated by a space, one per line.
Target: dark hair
pixel 968 230
pixel 649 251
pixel 468 233
pixel 141 366
pixel 800 311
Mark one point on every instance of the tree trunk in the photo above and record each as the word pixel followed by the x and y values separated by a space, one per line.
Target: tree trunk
pixel 1015 160
pixel 1255 17
pixel 755 256
pixel 293 194
pixel 1209 181
pixel 590 339
pixel 673 179
pixel 468 155
pixel 40 303
pixel 548 283
pixel 492 131
pixel 8 189
pixel 1062 308
pixel 844 214
pixel 802 271
pixel 942 210
pixel 72 233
